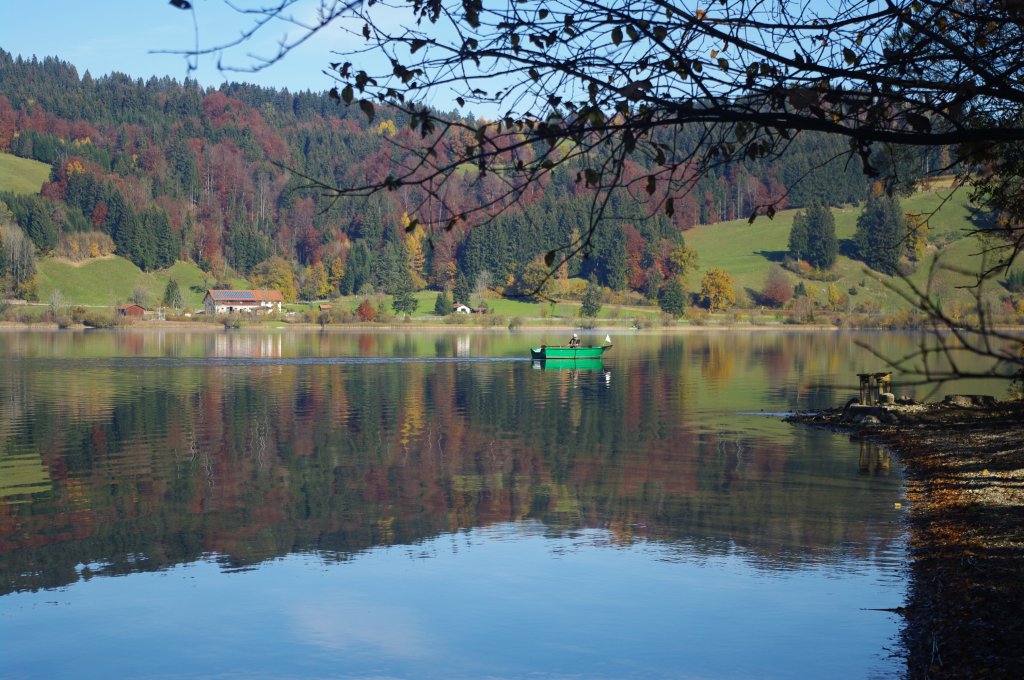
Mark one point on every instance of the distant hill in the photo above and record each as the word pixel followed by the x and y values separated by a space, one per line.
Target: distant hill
pixel 170 170
pixel 172 173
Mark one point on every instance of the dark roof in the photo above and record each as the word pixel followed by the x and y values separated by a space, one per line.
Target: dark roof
pixel 229 295
pixel 252 296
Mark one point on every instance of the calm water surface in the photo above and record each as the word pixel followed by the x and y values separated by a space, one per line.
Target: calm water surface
pixel 435 506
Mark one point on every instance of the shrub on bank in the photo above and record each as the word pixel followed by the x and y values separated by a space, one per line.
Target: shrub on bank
pixel 456 319
pixel 97 319
pixel 698 316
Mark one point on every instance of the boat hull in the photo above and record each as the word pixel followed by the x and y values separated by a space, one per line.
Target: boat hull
pixel 566 352
pixel 569 364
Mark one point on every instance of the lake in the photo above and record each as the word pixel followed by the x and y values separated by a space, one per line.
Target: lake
pixel 435 505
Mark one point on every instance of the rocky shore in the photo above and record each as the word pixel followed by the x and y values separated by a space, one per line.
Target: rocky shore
pixel 964 462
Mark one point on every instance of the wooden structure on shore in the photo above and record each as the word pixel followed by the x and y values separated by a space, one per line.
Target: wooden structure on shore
pixel 873 385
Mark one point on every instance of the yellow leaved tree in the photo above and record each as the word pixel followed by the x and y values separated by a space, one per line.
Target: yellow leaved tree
pixel 716 289
pixel 414 249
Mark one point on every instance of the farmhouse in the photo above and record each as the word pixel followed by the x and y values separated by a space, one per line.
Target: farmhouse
pixel 460 308
pixel 132 311
pixel 235 301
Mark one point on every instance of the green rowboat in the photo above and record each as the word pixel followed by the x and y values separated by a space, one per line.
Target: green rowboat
pixel 566 352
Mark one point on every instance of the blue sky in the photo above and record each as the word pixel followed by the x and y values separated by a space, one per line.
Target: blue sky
pixel 107 36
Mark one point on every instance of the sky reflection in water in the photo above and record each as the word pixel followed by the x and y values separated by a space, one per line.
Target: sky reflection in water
pixel 503 601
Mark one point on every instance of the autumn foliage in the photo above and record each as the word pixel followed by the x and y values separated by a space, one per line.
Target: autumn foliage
pixel 778 289
pixel 716 290
pixel 366 311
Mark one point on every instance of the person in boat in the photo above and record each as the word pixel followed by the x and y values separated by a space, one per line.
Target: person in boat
pixel 574 341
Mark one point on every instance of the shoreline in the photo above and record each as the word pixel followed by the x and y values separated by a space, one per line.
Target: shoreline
pixel 147 325
pixel 964 468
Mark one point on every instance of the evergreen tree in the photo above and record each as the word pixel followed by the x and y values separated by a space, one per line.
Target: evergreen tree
pixel 443 304
pixel 881 227
pixel 591 306
pixel 33 215
pixel 172 295
pixel 672 298
pixel 248 248
pixel 162 240
pixel 357 271
pixel 798 236
pixel 462 292
pixel 402 287
pixel 404 301
pixel 615 267
pixel 392 272
pixel 822 247
pixel 654 283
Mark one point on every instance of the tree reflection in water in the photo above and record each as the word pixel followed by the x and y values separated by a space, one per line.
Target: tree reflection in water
pixel 157 454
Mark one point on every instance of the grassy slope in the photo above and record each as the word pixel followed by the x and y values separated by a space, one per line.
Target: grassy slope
pixel 21 175
pixel 111 281
pixel 747 250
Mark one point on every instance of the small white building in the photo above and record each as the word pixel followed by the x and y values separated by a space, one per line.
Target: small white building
pixel 236 301
pixel 460 308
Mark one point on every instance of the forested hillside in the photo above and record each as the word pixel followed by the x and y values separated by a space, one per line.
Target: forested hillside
pixel 161 171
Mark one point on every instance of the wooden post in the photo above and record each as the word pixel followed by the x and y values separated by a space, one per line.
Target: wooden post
pixel 865 381
pixel 872 385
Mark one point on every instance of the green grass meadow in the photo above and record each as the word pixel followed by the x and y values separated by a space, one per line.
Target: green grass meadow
pixel 110 281
pixel 746 251
pixel 21 175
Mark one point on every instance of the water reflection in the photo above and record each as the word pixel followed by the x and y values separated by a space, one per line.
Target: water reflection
pixel 154 463
pixel 874 459
pixel 435 505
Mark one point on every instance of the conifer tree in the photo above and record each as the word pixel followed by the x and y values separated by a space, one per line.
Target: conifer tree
pixel 442 304
pixel 404 302
pixel 358 271
pixel 880 230
pixel 798 236
pixel 672 298
pixel 822 246
pixel 172 295
pixel 461 293
pixel 654 282
pixel 813 237
pixel 591 306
